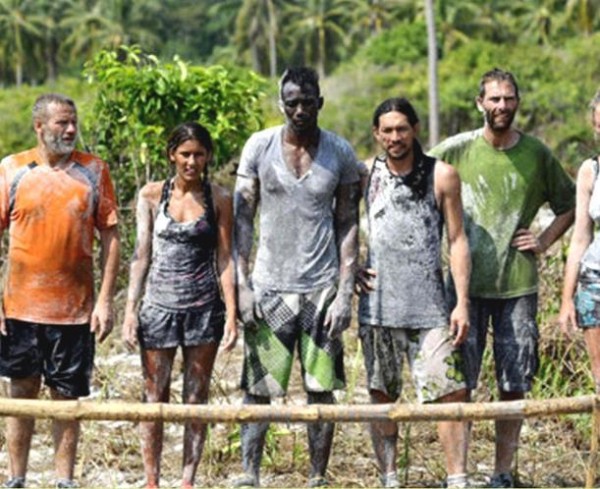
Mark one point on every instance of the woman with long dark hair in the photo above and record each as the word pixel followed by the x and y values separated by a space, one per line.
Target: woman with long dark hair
pixel 181 288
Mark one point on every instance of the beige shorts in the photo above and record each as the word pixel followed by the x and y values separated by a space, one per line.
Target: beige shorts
pixel 436 366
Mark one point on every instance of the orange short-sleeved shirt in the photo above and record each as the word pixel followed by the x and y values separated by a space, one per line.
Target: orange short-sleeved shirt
pixel 50 214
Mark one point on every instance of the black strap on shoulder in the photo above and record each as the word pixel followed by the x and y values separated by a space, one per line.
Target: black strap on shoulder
pixel 211 214
pixel 166 190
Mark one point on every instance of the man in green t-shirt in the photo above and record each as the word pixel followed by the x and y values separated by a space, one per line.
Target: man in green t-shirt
pixel 506 177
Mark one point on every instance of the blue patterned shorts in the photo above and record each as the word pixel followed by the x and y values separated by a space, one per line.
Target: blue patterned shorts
pixel 587 298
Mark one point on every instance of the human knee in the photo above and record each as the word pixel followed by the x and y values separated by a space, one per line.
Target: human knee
pixel 26 388
pixel 320 397
pixel 461 395
pixel 379 397
pixel 154 393
pixel 255 399
pixel 511 395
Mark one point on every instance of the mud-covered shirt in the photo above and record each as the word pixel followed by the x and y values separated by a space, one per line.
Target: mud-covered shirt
pixel 502 192
pixel 50 214
pixel 182 273
pixel 297 249
pixel 404 249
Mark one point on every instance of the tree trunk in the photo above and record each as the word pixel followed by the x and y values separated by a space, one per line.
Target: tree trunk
pixel 434 106
pixel 272 39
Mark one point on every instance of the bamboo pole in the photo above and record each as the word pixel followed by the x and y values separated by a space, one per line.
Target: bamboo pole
pixel 212 413
pixel 590 477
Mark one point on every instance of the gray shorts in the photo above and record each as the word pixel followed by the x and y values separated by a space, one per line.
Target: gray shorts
pixel 161 328
pixel 587 298
pixel 436 365
pixel 515 335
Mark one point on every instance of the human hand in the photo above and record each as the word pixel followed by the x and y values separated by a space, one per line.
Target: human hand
pixel 129 330
pixel 102 320
pixel 567 318
pixel 246 305
pixel 338 316
pixel 364 280
pixel 525 240
pixel 231 335
pixel 459 324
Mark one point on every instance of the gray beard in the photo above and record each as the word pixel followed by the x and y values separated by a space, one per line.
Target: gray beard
pixel 57 146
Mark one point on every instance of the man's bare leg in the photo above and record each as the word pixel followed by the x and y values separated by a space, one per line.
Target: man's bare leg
pixel 66 435
pixel 157 365
pixel 454 437
pixel 320 440
pixel 384 436
pixel 507 436
pixel 20 430
pixel 253 441
pixel 199 362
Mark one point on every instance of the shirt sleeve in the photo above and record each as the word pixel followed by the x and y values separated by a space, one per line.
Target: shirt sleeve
pixel 560 188
pixel 350 164
pixel 106 214
pixel 248 166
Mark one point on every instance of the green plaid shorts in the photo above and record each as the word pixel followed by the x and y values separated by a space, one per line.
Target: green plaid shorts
pixel 286 320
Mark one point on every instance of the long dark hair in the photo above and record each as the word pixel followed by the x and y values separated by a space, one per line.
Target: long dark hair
pixel 190 131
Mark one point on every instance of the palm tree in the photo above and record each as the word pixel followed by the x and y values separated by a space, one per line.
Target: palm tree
pixel 584 13
pixel 97 24
pixel 256 29
pixel 21 26
pixel 316 27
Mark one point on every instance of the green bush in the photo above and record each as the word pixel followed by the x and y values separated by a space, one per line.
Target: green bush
pixel 140 99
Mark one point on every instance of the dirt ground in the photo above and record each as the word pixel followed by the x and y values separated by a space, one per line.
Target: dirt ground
pixel 553 451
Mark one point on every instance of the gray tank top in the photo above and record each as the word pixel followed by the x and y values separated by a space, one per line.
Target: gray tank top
pixel 183 270
pixel 405 234
pixel 591 257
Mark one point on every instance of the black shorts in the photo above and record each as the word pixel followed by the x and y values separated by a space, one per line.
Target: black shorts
pixel 62 354
pixel 161 328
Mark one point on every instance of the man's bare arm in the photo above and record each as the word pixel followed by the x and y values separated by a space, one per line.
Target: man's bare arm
pixel 346 227
pixel 245 202
pixel 103 314
pixel 447 183
pixel 526 240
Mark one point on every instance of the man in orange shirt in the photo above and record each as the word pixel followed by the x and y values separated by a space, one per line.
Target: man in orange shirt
pixel 52 199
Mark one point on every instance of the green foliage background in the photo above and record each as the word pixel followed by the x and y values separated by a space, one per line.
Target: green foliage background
pixel 140 99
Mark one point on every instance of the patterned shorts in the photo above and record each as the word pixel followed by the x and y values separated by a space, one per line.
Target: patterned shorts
pixel 436 365
pixel 587 298
pixel 287 320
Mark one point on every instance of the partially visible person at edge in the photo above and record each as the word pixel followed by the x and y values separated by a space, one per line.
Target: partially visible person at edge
pixel 182 262
pixel 306 181
pixel 52 198
pixel 506 177
pixel 409 197
pixel 580 305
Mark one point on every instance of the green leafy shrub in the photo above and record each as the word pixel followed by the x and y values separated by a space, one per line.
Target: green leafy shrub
pixel 140 99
